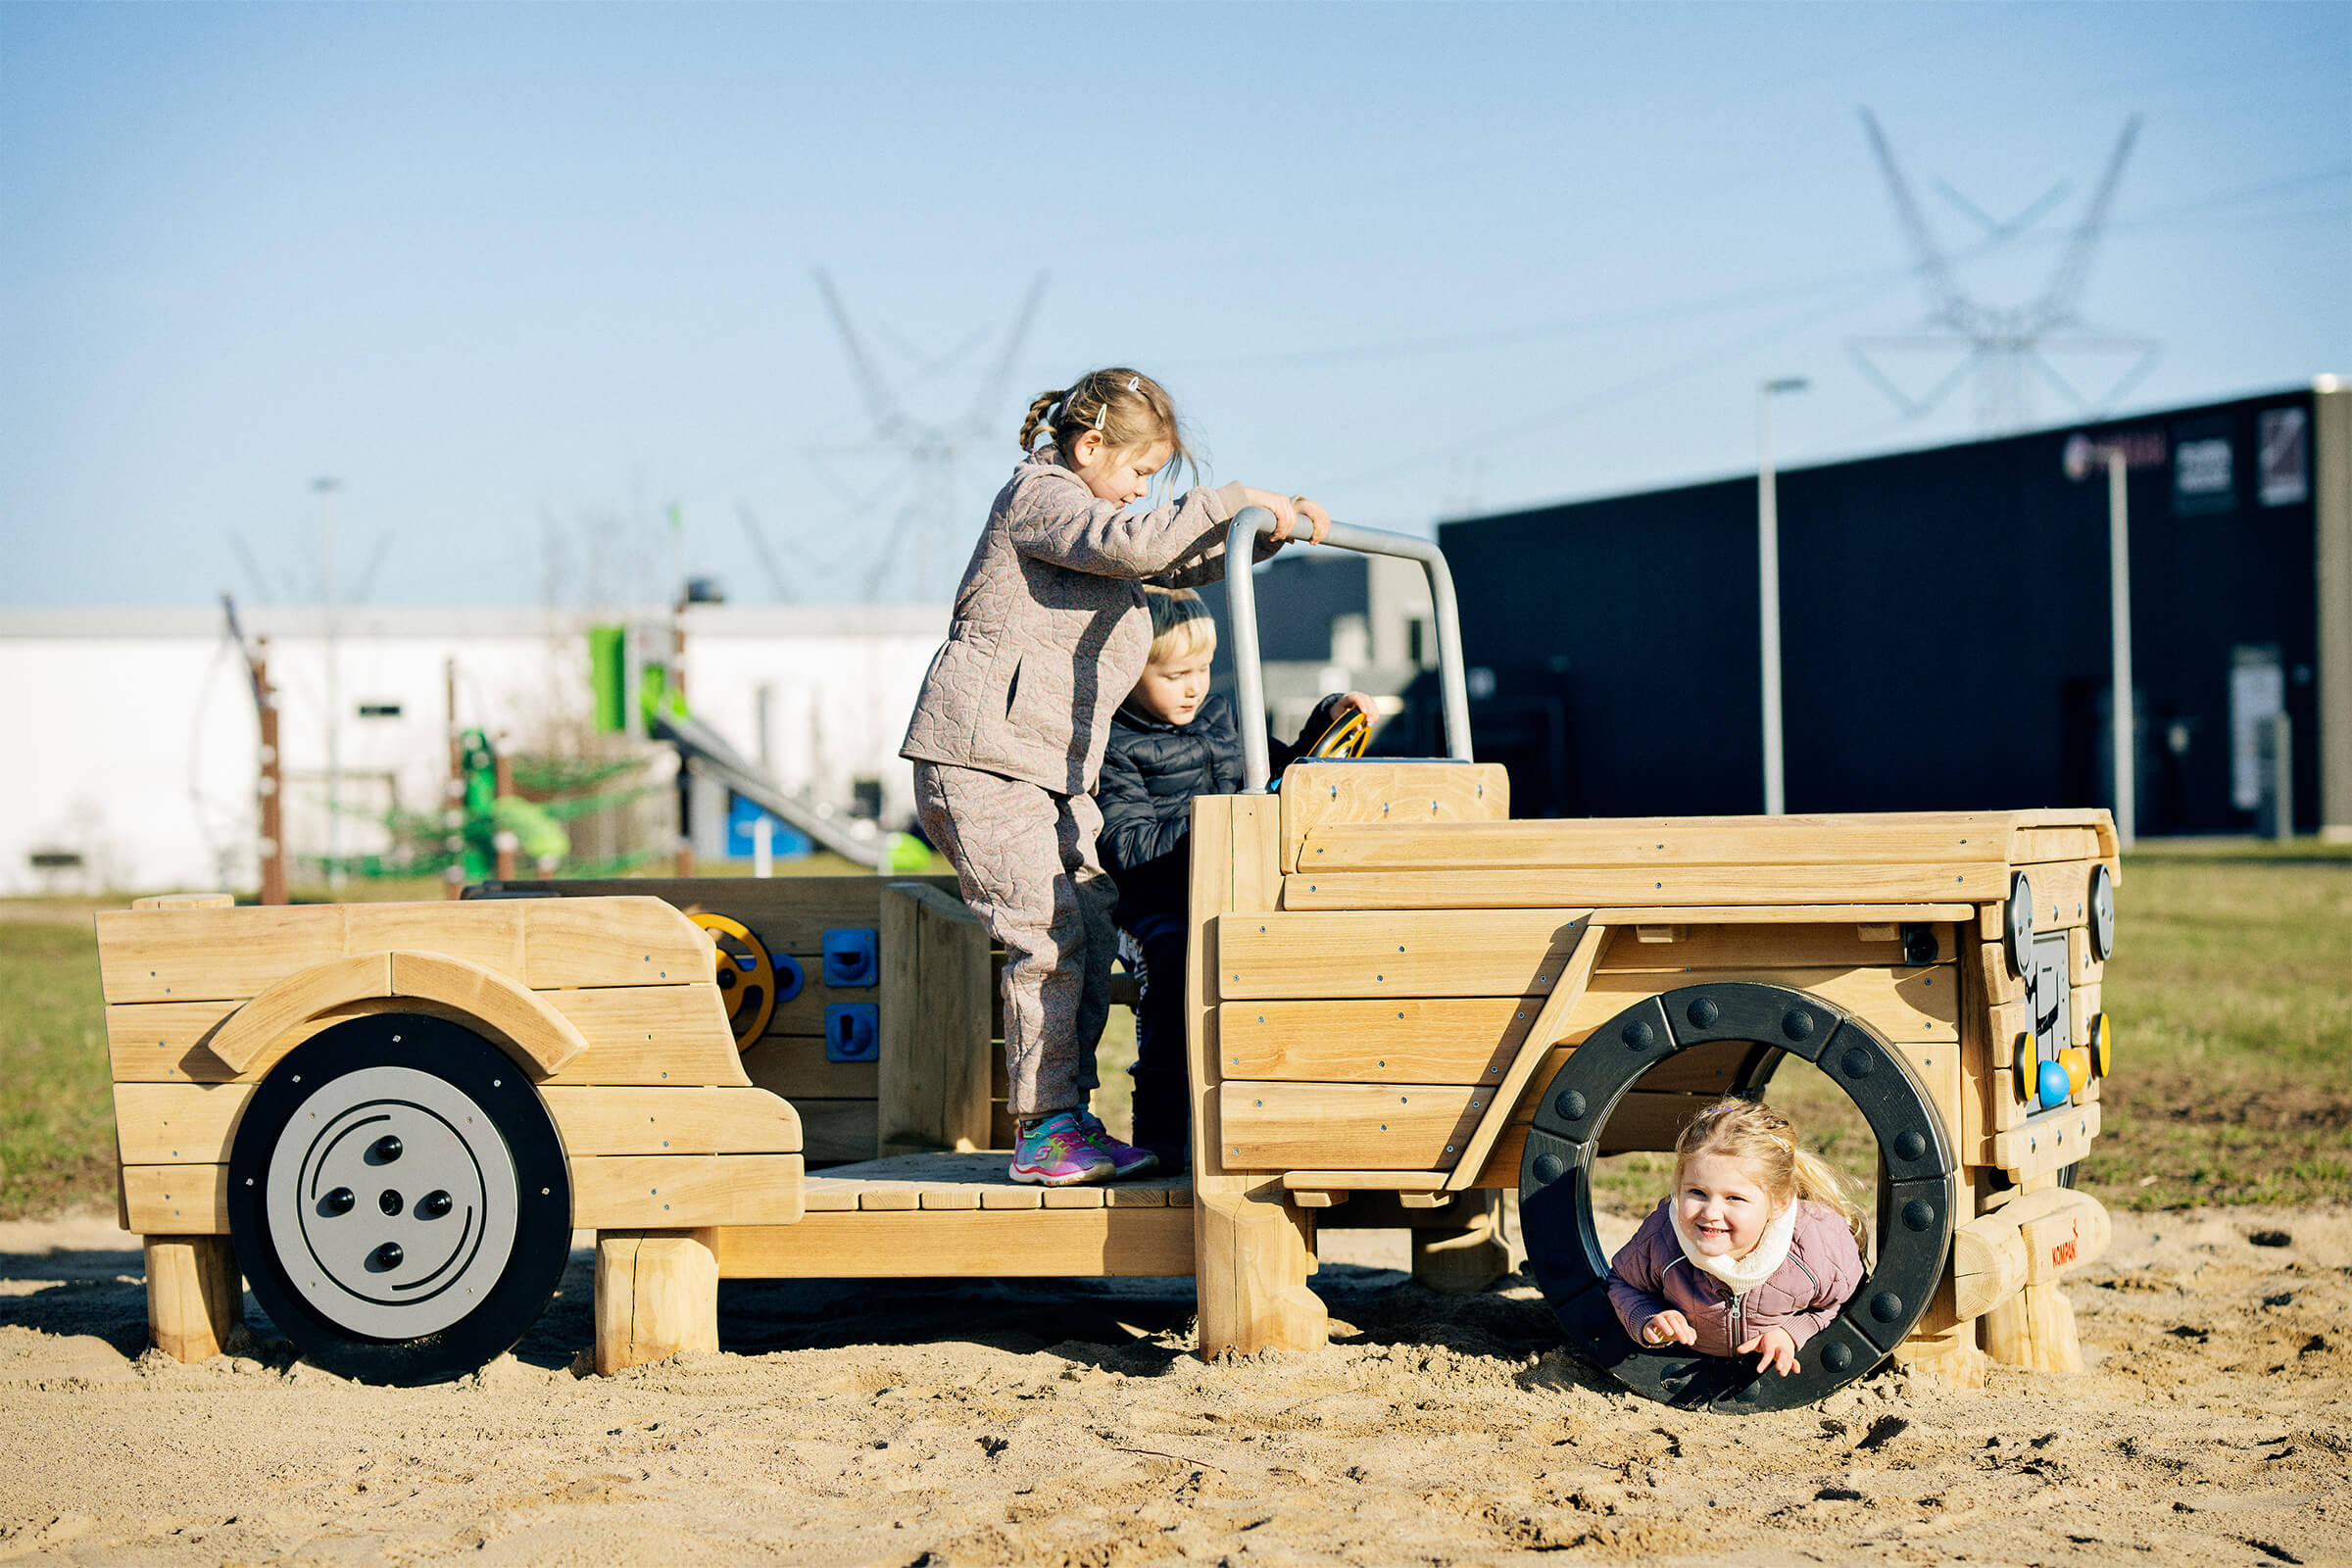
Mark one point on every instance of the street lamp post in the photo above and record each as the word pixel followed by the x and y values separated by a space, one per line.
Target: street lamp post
pixel 326 489
pixel 2122 712
pixel 1768 587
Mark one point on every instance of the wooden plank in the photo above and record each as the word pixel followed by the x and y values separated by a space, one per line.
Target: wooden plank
pixel 1411 1040
pixel 797 1069
pixel 176 1200
pixel 195 1297
pixel 1361 1181
pixel 657 1298
pixel 487 934
pixel 2045 1144
pixel 212 955
pixel 1285 1126
pixel 2032 845
pixel 2003 1109
pixel 178 1124
pixel 295 998
pixel 1650 844
pixel 1665 888
pixel 671 1192
pixel 995 1243
pixel 1695 917
pixel 804 1015
pixel 1574 968
pixel 836 1131
pixel 2083 1005
pixel 935 1048
pixel 525 1024
pixel 612 941
pixel 1447 954
pixel 1390 793
pixel 884 1197
pixel 1803 946
pixel 609 1120
pixel 1252 1247
pixel 1012 1198
pixel 787 913
pixel 1938 1066
pixel 635 1034
pixel 184 901
pixel 2081 968
pixel 2061 894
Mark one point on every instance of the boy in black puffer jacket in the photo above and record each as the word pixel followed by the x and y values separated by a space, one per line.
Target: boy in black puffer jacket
pixel 1170 741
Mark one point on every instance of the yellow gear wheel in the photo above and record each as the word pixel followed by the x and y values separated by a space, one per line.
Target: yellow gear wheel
pixel 747 976
pixel 1345 738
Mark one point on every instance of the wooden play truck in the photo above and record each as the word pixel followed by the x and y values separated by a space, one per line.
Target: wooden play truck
pixel 389 1119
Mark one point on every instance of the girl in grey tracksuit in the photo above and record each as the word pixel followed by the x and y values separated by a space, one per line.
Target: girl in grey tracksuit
pixel 1050 634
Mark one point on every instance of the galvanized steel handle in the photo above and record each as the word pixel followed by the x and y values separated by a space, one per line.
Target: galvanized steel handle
pixel 1249 670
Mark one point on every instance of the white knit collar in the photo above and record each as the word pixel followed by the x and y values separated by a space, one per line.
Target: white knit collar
pixel 1740 1274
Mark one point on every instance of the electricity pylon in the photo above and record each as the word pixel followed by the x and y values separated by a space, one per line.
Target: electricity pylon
pixel 2006 348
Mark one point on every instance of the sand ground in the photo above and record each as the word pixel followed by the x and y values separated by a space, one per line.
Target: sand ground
pixel 968 1423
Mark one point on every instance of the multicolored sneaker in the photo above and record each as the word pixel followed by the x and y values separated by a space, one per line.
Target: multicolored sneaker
pixel 1056 1152
pixel 1126 1159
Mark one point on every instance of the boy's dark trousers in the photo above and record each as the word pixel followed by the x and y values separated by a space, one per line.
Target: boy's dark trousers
pixel 1154 949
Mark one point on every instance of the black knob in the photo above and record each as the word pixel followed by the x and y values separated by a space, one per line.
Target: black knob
pixel 339 1201
pixel 433 1204
pixel 388 1200
pixel 386 1257
pixel 384 1150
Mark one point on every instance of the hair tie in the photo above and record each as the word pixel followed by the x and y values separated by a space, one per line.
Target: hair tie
pixel 1102 409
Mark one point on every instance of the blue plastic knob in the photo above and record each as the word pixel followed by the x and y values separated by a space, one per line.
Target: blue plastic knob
pixel 2053 1085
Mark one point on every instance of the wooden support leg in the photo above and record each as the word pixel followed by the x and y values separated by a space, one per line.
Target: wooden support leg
pixel 2034 1329
pixel 1456 1263
pixel 1940 1348
pixel 1252 1260
pixel 656 1297
pixel 195 1296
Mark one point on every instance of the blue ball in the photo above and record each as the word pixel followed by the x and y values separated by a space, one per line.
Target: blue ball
pixel 2053 1084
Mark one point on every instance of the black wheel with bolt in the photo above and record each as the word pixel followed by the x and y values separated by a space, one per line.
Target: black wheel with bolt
pixel 399 1199
pixel 1915 1192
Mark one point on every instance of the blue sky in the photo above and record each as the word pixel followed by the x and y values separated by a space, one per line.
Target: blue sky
pixel 525 277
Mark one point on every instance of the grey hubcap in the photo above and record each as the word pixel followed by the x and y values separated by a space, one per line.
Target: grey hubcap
pixel 392 1203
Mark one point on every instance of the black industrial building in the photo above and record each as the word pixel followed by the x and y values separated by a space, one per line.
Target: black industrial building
pixel 1944 628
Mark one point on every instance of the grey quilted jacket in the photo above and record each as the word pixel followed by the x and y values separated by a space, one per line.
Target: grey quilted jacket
pixel 1050 632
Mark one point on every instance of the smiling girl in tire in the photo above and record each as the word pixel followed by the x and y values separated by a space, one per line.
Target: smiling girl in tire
pixel 1757 1249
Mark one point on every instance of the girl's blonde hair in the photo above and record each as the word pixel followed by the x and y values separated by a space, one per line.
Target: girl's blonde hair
pixel 1131 410
pixel 1180 624
pixel 1744 1130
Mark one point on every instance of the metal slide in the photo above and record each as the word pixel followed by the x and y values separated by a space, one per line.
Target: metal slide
pixel 707 752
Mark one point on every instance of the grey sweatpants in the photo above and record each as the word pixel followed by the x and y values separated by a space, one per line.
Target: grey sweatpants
pixel 1026 860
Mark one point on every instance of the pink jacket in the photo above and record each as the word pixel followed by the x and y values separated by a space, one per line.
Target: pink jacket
pixel 1823 1269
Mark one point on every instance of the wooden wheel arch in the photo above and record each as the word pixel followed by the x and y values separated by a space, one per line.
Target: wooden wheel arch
pixel 539 1037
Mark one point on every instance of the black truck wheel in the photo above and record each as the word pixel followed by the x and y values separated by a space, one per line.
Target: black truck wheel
pixel 1915 1194
pixel 399 1199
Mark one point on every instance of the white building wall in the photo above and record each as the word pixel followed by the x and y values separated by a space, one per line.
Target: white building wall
pixel 133 738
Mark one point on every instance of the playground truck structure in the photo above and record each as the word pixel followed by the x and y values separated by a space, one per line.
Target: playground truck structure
pixel 389 1119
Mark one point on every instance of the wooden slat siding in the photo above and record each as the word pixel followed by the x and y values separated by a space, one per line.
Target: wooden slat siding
pixel 1333 1040
pixel 1572 968
pixel 1346 953
pixel 210 955
pixel 175 1200
pixel 1664 889
pixel 2001 1108
pixel 673 1035
pixel 2082 1006
pixel 797 1069
pixel 676 1192
pixel 1273 1126
pixel 1939 1068
pixel 294 999
pixel 1390 793
pixel 1031 1243
pixel 1608 843
pixel 803 1016
pixel 1841 946
pixel 2001 983
pixel 1694 916
pixel 1361 1181
pixel 178 1124
pixel 787 913
pixel 835 1132
pixel 524 1019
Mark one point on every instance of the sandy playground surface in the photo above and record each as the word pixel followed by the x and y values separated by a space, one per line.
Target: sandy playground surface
pixel 967 1423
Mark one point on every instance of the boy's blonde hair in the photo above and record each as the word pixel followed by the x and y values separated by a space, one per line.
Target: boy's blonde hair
pixel 1179 624
pixel 1131 410
pixel 1744 1130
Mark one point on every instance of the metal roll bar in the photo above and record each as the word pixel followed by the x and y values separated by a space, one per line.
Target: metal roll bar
pixel 1249 670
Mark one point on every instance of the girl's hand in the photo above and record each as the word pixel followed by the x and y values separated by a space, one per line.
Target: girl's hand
pixel 1775 1350
pixel 1670 1328
pixel 1286 513
pixel 1314 514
